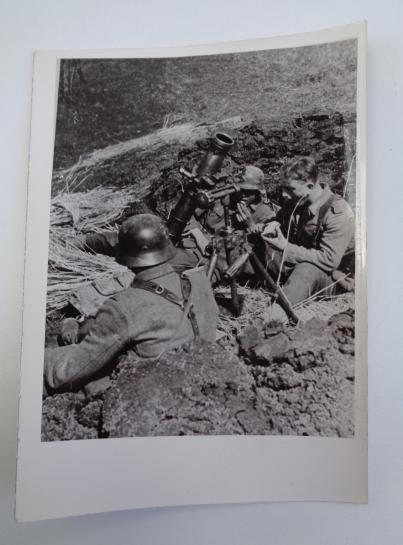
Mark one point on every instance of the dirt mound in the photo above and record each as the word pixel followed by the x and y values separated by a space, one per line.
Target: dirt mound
pixel 289 381
pixel 70 416
pixel 155 172
pixel 200 389
pixel 329 138
pixel 137 162
pixel 304 380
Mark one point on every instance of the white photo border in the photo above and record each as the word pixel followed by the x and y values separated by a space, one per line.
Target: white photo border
pixel 59 479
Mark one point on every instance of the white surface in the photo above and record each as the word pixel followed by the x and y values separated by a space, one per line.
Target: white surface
pixel 64 479
pixel 51 25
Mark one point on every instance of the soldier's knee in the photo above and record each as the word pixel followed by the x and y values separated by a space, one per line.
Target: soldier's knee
pixel 303 282
pixel 306 269
pixel 305 273
pixel 310 279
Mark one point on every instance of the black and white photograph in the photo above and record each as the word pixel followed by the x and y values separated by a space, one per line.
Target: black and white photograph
pixel 195 276
pixel 201 267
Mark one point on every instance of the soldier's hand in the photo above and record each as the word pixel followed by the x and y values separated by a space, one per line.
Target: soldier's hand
pixel 273 235
pixel 244 215
pixel 69 333
pixel 256 228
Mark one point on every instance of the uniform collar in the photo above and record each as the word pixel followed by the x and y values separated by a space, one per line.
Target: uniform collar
pixel 155 272
pixel 323 197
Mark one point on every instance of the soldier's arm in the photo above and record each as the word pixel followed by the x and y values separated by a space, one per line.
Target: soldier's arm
pixel 70 367
pixel 338 230
pixel 97 243
pixel 264 213
pixel 102 243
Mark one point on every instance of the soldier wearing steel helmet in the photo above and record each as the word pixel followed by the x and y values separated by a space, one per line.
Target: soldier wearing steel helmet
pixel 160 310
pixel 252 207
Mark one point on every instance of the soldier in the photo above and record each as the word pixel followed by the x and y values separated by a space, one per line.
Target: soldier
pixel 254 198
pixel 311 243
pixel 253 207
pixel 160 310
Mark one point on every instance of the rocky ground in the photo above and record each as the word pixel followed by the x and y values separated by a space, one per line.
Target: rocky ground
pixel 282 380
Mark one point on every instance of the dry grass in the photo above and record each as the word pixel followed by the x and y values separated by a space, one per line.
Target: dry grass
pixel 257 303
pixel 71 215
pixel 151 144
pixel 91 210
pixel 71 268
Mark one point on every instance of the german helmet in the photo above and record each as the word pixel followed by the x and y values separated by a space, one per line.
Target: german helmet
pixel 143 242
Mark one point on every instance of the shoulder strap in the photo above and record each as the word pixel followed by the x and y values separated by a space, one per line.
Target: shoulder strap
pixel 153 287
pixel 326 206
pixel 322 213
pixel 185 304
pixel 186 286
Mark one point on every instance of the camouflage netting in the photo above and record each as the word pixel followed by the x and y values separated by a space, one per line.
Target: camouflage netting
pixel 293 381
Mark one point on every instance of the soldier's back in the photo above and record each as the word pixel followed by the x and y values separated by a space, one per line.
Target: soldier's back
pixel 155 322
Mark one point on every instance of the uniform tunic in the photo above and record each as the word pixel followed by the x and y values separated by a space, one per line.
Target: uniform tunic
pixel 324 248
pixel 213 219
pixel 313 251
pixel 134 318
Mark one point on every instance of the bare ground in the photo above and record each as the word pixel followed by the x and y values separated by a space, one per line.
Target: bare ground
pixel 288 381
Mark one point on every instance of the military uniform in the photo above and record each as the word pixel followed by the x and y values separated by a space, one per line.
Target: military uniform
pixel 213 219
pixel 106 243
pixel 136 318
pixel 189 254
pixel 321 238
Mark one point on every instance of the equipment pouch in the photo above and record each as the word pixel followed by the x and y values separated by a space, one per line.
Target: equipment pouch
pixel 89 298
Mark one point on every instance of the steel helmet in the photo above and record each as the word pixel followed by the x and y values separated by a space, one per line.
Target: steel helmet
pixel 253 179
pixel 143 242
